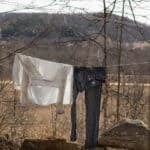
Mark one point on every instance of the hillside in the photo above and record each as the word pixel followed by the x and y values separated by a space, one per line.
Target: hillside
pixel 19 29
pixel 30 25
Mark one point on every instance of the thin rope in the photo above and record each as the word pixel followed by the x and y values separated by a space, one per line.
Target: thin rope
pixel 146 62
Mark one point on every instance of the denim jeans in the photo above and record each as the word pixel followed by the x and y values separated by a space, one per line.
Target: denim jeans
pixel 89 80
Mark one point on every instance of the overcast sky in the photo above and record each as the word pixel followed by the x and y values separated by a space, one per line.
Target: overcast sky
pixel 141 9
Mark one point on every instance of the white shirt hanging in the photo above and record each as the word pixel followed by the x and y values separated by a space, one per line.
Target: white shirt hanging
pixel 42 82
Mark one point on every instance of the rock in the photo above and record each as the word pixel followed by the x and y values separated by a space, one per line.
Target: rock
pixel 131 134
pixel 49 144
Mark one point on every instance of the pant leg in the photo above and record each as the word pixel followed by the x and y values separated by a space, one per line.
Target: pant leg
pixel 92 101
pixel 96 133
pixel 73 135
pixel 78 86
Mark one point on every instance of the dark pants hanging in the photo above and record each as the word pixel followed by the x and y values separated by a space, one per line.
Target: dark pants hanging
pixel 89 80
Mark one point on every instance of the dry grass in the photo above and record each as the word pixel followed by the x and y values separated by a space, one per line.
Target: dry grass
pixel 34 121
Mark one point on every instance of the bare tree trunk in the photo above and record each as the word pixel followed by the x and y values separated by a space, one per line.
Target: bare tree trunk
pixel 105 63
pixel 119 61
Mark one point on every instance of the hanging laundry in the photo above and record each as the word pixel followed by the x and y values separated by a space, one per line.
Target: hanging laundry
pixel 42 82
pixel 89 80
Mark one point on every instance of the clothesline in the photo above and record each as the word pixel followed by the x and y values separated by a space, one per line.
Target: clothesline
pixel 146 62
pixel 110 66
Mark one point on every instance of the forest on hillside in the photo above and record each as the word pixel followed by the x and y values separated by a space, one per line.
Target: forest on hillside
pixel 68 25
